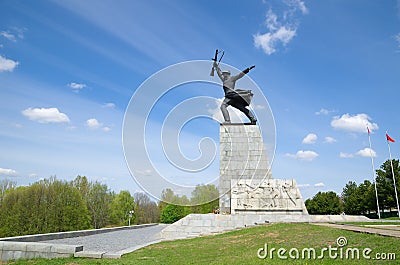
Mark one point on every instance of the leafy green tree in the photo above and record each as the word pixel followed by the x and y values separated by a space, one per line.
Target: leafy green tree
pixel 386 192
pixel 368 198
pixel 351 198
pixel 99 204
pixel 324 203
pixel 171 208
pixel 46 206
pixel 121 205
pixel 167 196
pixel 359 199
pixel 83 185
pixel 98 200
pixel 12 213
pixel 172 213
pixel 204 199
pixel 68 208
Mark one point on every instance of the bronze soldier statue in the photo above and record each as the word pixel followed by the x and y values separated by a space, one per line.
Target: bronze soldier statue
pixel 238 98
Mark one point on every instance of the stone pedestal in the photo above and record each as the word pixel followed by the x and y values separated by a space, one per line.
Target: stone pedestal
pixel 246 185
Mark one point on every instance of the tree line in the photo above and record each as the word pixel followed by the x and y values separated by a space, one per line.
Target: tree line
pixel 204 199
pixel 53 205
pixel 360 199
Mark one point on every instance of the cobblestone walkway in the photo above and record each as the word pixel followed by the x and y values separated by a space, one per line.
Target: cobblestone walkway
pixel 116 243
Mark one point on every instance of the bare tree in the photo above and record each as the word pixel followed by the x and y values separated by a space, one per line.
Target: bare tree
pixel 146 210
pixel 6 185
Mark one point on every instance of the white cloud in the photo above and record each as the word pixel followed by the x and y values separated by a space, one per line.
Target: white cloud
pixel 355 123
pixel 297 5
pixel 19 32
pixel 269 41
pixel 109 105
pixel 9 36
pixel 324 112
pixel 366 152
pixel 271 20
pixel 346 155
pixel 307 185
pixel 45 115
pixel 7 64
pixel 8 172
pixel 304 155
pixel 311 138
pixel 76 87
pixel 304 185
pixel 279 31
pixel 13 34
pixel 93 124
pixel 329 140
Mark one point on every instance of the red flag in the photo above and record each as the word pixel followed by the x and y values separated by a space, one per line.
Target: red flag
pixel 390 139
pixel 369 132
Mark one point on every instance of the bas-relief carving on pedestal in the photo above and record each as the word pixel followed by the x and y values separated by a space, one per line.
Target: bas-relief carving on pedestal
pixel 270 195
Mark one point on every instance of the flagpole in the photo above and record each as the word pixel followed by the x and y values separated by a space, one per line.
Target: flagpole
pixel 394 179
pixel 373 173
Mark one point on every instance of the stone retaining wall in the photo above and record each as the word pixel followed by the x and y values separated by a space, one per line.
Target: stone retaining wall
pixel 29 246
pixel 28 250
pixel 61 235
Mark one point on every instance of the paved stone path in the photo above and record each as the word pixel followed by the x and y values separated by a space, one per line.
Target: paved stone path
pixel 370 230
pixel 387 227
pixel 115 243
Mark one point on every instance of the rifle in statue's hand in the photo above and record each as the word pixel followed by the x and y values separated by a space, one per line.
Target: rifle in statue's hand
pixel 247 70
pixel 215 60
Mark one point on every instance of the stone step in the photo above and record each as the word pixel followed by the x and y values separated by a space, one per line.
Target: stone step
pixel 210 224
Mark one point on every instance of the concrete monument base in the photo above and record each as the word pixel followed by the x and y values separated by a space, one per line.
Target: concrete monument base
pixel 248 193
pixel 246 185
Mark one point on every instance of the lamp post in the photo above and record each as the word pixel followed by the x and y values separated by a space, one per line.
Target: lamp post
pixel 130 213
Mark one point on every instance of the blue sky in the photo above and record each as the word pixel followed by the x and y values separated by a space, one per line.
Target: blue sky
pixel 68 70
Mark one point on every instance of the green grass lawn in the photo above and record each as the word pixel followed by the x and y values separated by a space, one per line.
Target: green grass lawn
pixel 392 218
pixel 241 246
